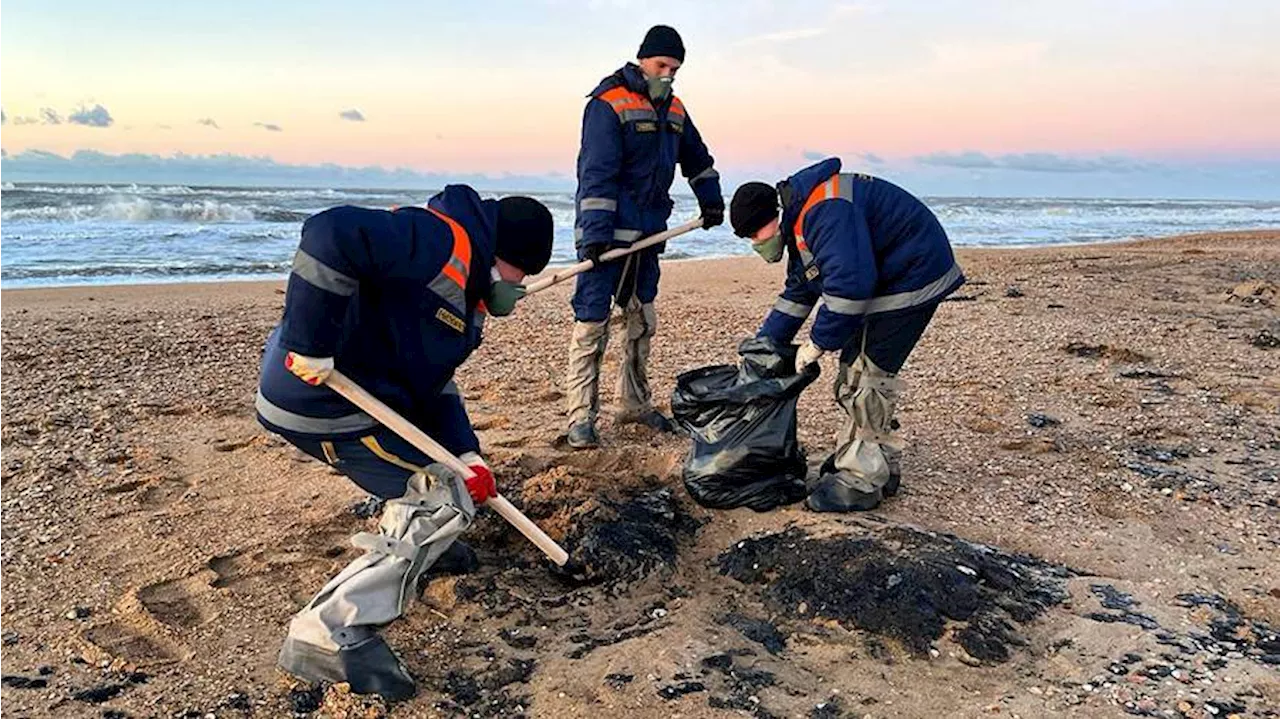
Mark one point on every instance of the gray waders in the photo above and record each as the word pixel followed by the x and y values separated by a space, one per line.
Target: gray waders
pixel 334 638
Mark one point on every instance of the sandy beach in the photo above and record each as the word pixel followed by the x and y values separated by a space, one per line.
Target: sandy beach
pixel 1110 410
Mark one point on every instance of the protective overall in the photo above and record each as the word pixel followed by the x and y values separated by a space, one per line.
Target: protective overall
pixel 630 148
pixel 875 262
pixel 334 637
pixel 396 298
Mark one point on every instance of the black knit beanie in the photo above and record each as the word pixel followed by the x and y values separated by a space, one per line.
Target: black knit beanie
pixel 525 232
pixel 754 205
pixel 661 41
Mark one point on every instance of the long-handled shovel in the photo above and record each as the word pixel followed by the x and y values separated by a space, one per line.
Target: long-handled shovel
pixel 375 408
pixel 585 265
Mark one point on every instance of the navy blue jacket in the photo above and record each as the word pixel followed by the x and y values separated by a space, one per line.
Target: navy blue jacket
pixel 628 158
pixel 862 246
pixel 395 297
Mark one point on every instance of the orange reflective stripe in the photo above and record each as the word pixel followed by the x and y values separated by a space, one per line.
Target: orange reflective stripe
pixel 461 250
pixel 623 99
pixel 677 107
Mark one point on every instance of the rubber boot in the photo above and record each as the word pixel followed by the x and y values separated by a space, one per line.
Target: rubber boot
pixel 582 435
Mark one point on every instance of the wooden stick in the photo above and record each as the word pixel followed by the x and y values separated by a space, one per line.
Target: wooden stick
pixel 585 265
pixel 343 385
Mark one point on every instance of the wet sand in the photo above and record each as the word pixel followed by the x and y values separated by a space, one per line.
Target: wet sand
pixel 1111 409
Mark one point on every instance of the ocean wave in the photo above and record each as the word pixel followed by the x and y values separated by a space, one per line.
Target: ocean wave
pixel 139 209
pixel 126 270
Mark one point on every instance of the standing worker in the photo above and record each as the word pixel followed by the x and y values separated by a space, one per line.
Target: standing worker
pixel 634 132
pixel 397 301
pixel 876 262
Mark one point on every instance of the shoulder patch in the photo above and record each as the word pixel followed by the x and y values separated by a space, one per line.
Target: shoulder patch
pixel 644 126
pixel 455 322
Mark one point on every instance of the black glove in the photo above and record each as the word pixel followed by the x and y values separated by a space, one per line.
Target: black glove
pixel 593 252
pixel 712 216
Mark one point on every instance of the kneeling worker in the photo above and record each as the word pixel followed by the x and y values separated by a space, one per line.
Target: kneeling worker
pixel 397 301
pixel 876 263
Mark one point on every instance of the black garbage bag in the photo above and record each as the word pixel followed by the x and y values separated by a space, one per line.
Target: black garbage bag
pixel 743 423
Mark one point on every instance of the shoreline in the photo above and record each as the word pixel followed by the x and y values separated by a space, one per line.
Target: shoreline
pixel 959 249
pixel 1111 410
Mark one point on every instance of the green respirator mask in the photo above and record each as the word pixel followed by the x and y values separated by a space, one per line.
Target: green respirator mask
pixel 503 295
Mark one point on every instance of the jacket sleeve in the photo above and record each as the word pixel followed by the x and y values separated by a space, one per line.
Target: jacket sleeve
pixel 840 240
pixel 599 168
pixel 448 423
pixel 341 248
pixel 792 307
pixel 698 166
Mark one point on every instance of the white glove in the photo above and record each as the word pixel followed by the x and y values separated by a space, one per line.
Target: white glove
pixel 312 370
pixel 807 355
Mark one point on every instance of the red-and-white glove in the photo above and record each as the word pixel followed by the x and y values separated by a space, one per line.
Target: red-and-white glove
pixel 312 370
pixel 481 487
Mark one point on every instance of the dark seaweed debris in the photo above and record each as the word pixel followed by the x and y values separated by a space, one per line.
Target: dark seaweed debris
pixel 626 541
pixel 901 583
pixel 306 699
pixel 675 691
pixel 485 694
pixel 759 631
pixel 743 682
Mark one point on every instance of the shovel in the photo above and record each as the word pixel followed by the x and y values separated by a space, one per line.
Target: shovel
pixel 375 408
pixel 585 265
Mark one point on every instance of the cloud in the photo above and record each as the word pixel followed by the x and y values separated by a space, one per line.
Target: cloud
pixel 814 155
pixel 782 36
pixel 1036 162
pixel 50 116
pixel 25 120
pixel 242 171
pixel 208 122
pixel 871 158
pixel 353 115
pixel 269 126
pixel 97 116
pixel 966 160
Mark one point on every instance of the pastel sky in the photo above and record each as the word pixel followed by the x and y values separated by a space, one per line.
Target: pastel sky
pixel 1054 96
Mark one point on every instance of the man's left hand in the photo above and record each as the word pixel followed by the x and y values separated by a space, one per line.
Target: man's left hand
pixel 481 487
pixel 712 215
pixel 807 355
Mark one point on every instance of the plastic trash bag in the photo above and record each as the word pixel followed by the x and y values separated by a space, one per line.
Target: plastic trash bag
pixel 743 423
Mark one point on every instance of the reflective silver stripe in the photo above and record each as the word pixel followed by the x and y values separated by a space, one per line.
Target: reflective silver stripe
pixel 707 174
pixel 846 186
pixel 841 305
pixel 794 309
pixel 633 115
pixel 323 276
pixel 922 296
pixel 284 419
pixel 899 301
pixel 457 265
pixel 627 236
pixel 449 291
pixel 598 203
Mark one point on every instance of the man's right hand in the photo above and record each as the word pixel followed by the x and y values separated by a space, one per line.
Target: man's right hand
pixel 593 252
pixel 312 370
